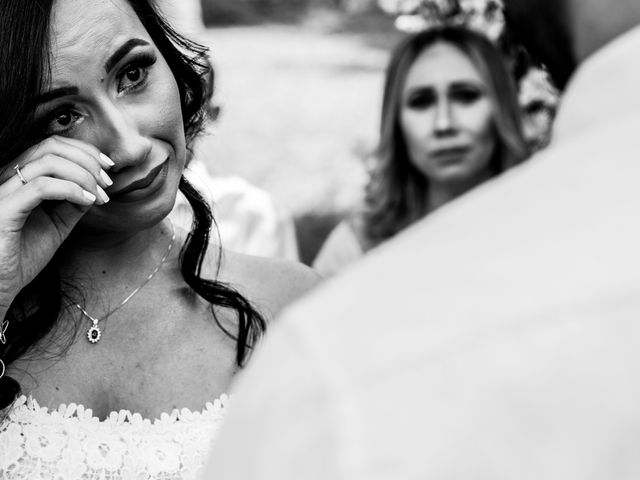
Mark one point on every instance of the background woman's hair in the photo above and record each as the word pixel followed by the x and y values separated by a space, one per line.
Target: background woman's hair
pixel 24 43
pixel 397 192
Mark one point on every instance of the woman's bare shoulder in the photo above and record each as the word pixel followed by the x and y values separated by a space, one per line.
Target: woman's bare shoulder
pixel 269 283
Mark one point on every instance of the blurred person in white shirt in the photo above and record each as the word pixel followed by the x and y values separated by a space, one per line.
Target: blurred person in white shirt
pixel 498 338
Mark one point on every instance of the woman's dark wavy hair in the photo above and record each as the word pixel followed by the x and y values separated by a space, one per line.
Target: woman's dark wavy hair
pixel 24 43
pixel 397 192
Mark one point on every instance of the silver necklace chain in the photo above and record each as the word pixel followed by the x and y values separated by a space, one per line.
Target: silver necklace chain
pixel 94 333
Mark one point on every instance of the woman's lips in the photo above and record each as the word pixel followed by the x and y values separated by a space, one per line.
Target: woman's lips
pixel 447 155
pixel 143 187
pixel 140 183
pixel 449 151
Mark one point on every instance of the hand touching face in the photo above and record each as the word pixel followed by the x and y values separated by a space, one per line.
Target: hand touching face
pixel 111 88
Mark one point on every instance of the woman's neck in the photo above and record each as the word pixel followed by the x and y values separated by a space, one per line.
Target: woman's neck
pixel 442 193
pixel 114 261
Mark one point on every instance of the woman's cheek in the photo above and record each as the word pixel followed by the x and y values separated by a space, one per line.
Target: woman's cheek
pixel 415 127
pixel 481 120
pixel 168 115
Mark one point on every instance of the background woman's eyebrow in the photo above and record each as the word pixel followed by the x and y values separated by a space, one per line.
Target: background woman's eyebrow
pixel 125 48
pixel 467 83
pixel 420 89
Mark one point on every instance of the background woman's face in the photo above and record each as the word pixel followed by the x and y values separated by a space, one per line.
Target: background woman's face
pixel 447 117
pixel 111 87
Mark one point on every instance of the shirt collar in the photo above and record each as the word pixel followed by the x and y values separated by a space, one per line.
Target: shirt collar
pixel 605 87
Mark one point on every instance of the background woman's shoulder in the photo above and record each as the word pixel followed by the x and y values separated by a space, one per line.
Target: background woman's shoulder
pixel 269 283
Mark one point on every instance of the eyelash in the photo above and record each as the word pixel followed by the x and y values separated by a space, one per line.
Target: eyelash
pixel 466 95
pixel 142 63
pixel 421 101
pixel 67 109
pixel 424 100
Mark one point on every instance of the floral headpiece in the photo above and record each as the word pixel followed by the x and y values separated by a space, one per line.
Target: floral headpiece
pixel 487 18
pixel 484 16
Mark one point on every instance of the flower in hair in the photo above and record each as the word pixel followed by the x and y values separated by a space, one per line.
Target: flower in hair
pixel 484 16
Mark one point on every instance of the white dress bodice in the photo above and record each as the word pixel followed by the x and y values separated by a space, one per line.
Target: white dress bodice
pixel 70 443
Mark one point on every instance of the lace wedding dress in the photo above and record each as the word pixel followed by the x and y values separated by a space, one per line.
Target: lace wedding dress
pixel 70 443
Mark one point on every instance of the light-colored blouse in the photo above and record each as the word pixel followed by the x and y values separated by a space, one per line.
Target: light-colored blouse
pixel 341 248
pixel 70 443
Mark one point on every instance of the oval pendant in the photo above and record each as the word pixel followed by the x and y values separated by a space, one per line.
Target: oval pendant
pixel 94 334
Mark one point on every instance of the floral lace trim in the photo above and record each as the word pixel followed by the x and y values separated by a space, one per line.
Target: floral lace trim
pixel 30 406
pixel 70 443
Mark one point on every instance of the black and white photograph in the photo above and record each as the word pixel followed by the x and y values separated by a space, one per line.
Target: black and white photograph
pixel 319 239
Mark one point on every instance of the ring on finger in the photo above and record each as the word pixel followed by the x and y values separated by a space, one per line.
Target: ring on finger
pixel 19 174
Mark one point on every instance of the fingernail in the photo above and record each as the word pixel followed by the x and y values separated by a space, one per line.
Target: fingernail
pixel 89 196
pixel 102 194
pixel 106 178
pixel 107 160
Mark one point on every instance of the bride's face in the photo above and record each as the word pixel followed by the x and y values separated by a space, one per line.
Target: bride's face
pixel 111 87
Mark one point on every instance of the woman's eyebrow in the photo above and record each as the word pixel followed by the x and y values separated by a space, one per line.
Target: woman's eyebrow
pixel 420 89
pixel 125 48
pixel 466 83
pixel 55 93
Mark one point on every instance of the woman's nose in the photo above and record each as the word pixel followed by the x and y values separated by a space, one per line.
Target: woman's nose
pixel 443 122
pixel 122 139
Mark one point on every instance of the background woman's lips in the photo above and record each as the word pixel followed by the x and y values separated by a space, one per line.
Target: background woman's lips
pixel 141 183
pixel 447 156
pixel 445 152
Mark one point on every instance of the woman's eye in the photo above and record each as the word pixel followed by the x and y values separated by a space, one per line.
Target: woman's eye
pixel 63 121
pixel 135 74
pixel 466 95
pixel 420 101
pixel 132 78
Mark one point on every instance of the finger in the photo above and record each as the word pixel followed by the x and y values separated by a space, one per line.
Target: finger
pixel 83 154
pixel 55 146
pixel 26 199
pixel 65 216
pixel 90 150
pixel 57 167
pixel 63 203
